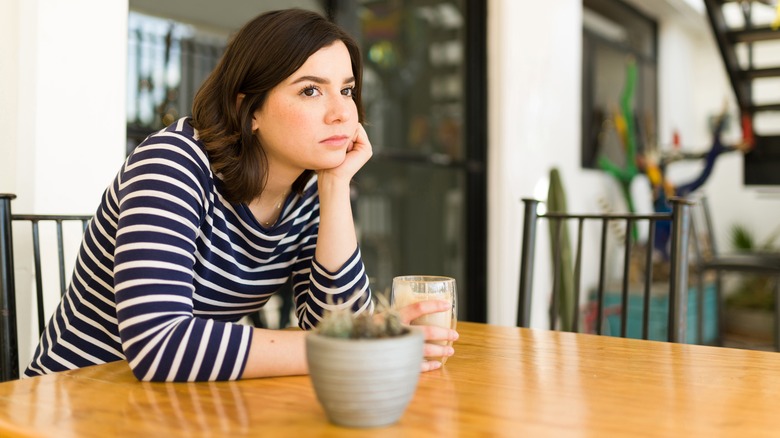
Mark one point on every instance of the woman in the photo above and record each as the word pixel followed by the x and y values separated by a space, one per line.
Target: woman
pixel 212 215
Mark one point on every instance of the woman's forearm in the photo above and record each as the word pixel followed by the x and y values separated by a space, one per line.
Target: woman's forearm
pixel 276 353
pixel 336 240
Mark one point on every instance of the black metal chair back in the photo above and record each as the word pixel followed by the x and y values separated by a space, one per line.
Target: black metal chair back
pixel 678 266
pixel 9 342
pixel 709 259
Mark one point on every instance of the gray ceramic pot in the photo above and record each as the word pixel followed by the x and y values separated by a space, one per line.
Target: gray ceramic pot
pixel 364 382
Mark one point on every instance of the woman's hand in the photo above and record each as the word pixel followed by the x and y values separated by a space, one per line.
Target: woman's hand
pixel 432 334
pixel 336 238
pixel 358 154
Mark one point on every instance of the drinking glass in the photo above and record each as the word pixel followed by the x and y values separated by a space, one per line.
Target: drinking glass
pixel 409 289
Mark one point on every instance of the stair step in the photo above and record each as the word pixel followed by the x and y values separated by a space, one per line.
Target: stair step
pixel 760 73
pixel 766 2
pixel 753 35
pixel 765 107
pixel 762 162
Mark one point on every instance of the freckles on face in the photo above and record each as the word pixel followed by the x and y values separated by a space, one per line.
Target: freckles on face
pixel 291 114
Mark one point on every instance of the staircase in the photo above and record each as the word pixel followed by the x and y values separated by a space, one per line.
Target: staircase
pixel 751 54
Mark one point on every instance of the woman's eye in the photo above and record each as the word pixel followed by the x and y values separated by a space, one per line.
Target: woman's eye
pixel 349 91
pixel 310 91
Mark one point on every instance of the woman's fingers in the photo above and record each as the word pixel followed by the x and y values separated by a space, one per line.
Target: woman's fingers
pixel 357 154
pixel 436 350
pixel 429 365
pixel 437 346
pixel 421 308
pixel 431 333
pixel 438 340
pixel 432 352
pixel 361 143
pixel 434 333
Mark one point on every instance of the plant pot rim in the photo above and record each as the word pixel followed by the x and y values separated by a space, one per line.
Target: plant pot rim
pixel 411 332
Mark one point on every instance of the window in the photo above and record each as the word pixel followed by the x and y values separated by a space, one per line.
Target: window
pixel 166 63
pixel 615 36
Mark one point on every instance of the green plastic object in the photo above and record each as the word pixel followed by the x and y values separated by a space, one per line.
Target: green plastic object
pixel 624 175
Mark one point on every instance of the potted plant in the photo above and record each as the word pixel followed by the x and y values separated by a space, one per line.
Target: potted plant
pixel 365 367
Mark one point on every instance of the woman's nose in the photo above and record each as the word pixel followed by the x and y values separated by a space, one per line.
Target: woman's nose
pixel 340 109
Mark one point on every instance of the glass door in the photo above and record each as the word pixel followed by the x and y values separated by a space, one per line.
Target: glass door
pixel 420 203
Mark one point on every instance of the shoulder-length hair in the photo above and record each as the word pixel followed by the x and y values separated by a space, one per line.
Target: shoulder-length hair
pixel 262 54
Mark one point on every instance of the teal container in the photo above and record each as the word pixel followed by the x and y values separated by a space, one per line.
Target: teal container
pixel 659 311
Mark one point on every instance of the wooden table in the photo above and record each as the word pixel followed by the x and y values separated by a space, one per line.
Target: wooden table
pixel 502 382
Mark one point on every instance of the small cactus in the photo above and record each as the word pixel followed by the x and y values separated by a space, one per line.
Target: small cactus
pixel 342 323
pixel 393 324
pixel 336 324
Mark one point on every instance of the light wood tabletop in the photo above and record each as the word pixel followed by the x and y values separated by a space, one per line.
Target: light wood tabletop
pixel 503 381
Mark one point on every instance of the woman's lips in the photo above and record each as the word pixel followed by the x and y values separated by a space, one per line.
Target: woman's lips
pixel 336 140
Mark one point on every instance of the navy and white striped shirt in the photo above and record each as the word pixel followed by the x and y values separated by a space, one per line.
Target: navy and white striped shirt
pixel 167 266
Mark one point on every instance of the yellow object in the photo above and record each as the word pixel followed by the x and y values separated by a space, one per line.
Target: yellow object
pixel 656 179
pixel 654 174
pixel 622 128
pixel 776 22
pixel 669 189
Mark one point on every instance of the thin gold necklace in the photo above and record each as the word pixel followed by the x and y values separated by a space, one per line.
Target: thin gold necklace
pixel 277 206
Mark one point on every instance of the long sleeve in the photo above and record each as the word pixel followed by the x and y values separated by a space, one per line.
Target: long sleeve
pixel 162 202
pixel 316 290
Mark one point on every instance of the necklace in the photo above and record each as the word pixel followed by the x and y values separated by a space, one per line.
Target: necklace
pixel 277 206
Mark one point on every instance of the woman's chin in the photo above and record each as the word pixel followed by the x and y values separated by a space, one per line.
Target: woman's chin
pixel 332 162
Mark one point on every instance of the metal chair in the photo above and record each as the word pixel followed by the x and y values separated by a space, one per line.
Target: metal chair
pixel 678 268
pixel 712 260
pixel 9 342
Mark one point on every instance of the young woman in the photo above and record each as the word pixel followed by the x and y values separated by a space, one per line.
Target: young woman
pixel 209 217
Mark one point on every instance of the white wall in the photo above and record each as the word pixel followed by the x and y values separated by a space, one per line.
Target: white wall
pixel 63 117
pixel 534 94
pixel 9 79
pixel 64 110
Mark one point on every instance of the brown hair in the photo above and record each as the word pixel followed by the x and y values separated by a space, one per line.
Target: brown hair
pixel 262 54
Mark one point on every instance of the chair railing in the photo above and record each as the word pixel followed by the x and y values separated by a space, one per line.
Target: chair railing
pixel 720 263
pixel 680 218
pixel 9 346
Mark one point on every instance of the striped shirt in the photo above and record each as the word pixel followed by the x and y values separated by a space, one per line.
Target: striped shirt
pixel 167 267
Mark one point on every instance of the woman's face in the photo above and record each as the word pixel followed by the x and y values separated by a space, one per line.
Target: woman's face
pixel 309 120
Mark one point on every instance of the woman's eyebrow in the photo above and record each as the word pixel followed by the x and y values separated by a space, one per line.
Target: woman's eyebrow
pixel 320 80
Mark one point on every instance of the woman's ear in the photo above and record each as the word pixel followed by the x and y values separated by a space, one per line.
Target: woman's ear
pixel 254 122
pixel 240 98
